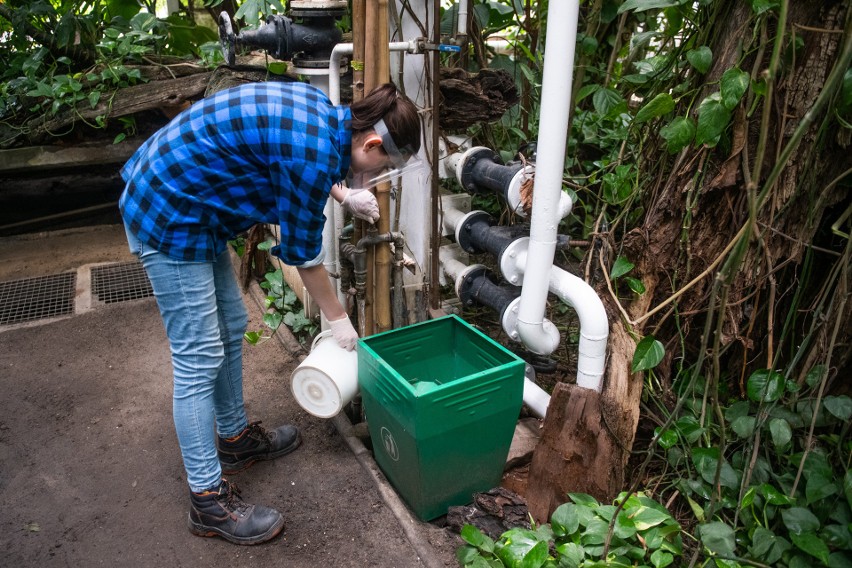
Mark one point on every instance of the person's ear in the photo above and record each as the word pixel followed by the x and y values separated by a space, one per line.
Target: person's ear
pixel 372 141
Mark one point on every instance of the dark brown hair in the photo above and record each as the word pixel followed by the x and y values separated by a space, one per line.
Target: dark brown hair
pixel 399 113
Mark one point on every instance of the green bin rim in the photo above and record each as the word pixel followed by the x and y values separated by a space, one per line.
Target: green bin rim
pixel 363 344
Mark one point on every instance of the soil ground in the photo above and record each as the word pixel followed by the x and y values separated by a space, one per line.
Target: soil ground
pixel 90 472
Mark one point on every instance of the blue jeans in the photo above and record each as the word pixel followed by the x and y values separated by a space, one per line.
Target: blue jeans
pixel 205 319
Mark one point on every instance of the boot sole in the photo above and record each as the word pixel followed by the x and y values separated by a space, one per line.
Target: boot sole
pixel 236 467
pixel 205 531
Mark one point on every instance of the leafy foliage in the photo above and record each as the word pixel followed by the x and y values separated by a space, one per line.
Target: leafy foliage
pixel 636 531
pixel 58 56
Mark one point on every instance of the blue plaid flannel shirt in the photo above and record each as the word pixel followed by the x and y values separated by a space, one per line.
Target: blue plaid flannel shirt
pixel 257 153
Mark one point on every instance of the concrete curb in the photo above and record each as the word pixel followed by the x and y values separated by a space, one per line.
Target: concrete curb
pixel 412 527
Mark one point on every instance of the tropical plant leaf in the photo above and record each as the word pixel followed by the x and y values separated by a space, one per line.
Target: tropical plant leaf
pixel 649 353
pixel 662 104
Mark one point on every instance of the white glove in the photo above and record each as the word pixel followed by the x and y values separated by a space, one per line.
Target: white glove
pixel 344 333
pixel 362 204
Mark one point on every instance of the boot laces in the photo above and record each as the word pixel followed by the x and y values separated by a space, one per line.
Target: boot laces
pixel 259 433
pixel 229 496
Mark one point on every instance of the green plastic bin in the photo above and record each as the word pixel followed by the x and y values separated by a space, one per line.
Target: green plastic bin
pixel 441 401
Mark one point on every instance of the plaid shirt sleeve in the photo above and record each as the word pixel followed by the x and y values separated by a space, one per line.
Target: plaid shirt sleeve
pixel 258 153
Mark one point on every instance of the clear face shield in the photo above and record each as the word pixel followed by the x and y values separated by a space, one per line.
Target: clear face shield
pixel 401 162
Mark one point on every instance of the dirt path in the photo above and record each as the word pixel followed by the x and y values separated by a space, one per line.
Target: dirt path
pixel 90 473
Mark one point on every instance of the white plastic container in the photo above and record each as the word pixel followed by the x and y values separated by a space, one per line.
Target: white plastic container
pixel 327 380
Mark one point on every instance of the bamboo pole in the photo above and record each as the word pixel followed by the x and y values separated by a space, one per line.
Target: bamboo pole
pixel 381 292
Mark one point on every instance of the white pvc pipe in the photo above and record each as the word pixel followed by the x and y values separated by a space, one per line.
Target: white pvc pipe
pixel 594 326
pixel 462 23
pixel 342 49
pixel 557 81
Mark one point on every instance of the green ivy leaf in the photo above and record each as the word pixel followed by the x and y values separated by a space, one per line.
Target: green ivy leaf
pixel 818 488
pixel 620 267
pixel 700 58
pixel 765 386
pixel 272 320
pixel 799 520
pixel 661 559
pixel 812 544
pixel 662 104
pixel 780 431
pixel 565 521
pixel 642 5
pixel 734 84
pixel 713 118
pixel 635 285
pixel 667 438
pixel 839 406
pixel 744 426
pixel 646 517
pixel 252 337
pixel 706 461
pixel 815 375
pixel 604 100
pixel 718 537
pixel 648 354
pixel 678 134
pixel 572 553
pixel 477 538
pixel 696 509
pixel 774 496
pixel 761 6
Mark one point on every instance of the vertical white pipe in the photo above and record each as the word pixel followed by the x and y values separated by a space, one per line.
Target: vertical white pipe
pixel 553 130
pixel 462 23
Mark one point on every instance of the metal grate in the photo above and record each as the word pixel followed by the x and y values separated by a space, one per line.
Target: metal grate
pixel 120 282
pixel 37 298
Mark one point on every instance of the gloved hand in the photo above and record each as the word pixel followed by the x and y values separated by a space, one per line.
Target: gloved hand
pixel 361 204
pixel 344 333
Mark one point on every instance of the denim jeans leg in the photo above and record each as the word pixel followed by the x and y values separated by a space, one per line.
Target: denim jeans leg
pixel 186 297
pixel 233 320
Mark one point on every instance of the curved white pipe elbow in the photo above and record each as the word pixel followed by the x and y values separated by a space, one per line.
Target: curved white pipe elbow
pixel 594 325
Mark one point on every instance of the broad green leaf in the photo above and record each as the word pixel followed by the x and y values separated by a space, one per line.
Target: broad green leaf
pixel 661 559
pixel 818 488
pixel 799 520
pixel 647 517
pixel 815 375
pixel 252 337
pixel 765 386
pixel 518 543
pixel 667 438
pixel 635 285
pixel 662 104
pixel 696 509
pixel 773 496
pixel 781 432
pixel 642 5
pixel 734 84
pixel 839 406
pixel 583 499
pixel 678 134
pixel 744 426
pixel 273 320
pixel 648 354
pixel 713 118
pixel 565 521
pixel 706 460
pixel 761 541
pixel 572 552
pixel 586 91
pixel 718 537
pixel 604 100
pixel 472 535
pixel 620 267
pixel 701 58
pixel 812 544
